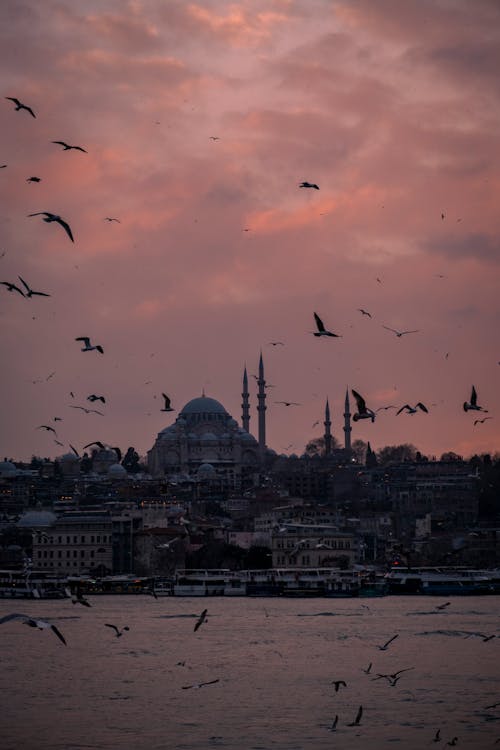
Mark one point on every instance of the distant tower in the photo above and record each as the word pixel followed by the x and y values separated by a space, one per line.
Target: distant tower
pixel 328 434
pixel 261 409
pixel 347 423
pixel 245 416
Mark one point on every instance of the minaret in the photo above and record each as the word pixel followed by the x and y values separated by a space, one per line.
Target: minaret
pixel 328 434
pixel 261 409
pixel 347 423
pixel 245 416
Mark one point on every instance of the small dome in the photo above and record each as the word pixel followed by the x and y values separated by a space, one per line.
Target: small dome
pixel 7 469
pixel 203 405
pixel 232 422
pixel 209 437
pixel 68 458
pixel 117 470
pixel 206 470
pixel 247 437
pixel 37 519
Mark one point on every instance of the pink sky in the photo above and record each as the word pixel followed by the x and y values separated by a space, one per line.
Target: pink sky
pixel 391 107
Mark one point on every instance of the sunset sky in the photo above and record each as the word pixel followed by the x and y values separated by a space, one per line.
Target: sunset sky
pixel 391 107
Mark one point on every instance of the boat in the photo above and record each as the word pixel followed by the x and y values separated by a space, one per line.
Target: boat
pixel 22 584
pixel 438 581
pixel 201 582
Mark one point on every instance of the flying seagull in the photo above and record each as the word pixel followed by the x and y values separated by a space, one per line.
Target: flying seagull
pixel 118 632
pixel 199 684
pixel 386 644
pixel 12 287
pixel 67 147
pixel 481 421
pixel 276 343
pixel 368 669
pixel 20 105
pixel 399 333
pixel 437 736
pixel 78 598
pixel 287 403
pixel 214 138
pixel 384 408
pixel 34 623
pixel 364 312
pixel 472 405
pixel 53 217
pixel 95 442
pixel 309 185
pixel 110 218
pixel 201 619
pixel 167 406
pixel 363 411
pixel 74 450
pixel 321 328
pixel 334 723
pixel 33 179
pixel 356 721
pixel 88 347
pixel 443 606
pixel 31 292
pixel 413 409
pixel 93 398
pixel 338 683
pixel 87 411
pixel 47 427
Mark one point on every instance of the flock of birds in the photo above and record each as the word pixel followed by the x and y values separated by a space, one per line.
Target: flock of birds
pixel 362 410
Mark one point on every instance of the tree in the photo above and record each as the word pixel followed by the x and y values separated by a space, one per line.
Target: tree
pixel 396 454
pixel 131 461
pixel 316 447
pixel 359 448
pixel 450 456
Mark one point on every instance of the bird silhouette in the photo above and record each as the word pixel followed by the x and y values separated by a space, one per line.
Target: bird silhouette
pixel 413 409
pixel 95 442
pixel 363 411
pixel 33 622
pixel 93 398
pixel 110 218
pixel 338 683
pixel 20 105
pixel 201 619
pixel 67 147
pixel 287 403
pixel 53 217
pixel 364 312
pixel 321 330
pixel 356 721
pixel 88 346
pixel 118 632
pixel 87 411
pixel 481 421
pixel 12 287
pixel 368 669
pixel 47 427
pixel 334 723
pixel 167 406
pixel 33 179
pixel 31 292
pixel 309 185
pixel 472 405
pixel 385 646
pixel 399 333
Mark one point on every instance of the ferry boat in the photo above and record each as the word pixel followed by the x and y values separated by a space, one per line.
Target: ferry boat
pixel 203 582
pixel 439 581
pixel 21 584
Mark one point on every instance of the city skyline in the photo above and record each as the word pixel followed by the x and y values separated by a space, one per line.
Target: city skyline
pixel 195 248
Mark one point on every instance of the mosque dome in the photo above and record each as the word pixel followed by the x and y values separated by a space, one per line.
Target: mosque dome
pixel 203 405
pixel 117 471
pixel 68 458
pixel 206 470
pixel 209 437
pixel 7 469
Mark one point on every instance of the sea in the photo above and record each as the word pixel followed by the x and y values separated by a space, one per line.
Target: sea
pixel 271 664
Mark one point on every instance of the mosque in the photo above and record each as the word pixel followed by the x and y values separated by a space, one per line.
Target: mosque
pixel 206 443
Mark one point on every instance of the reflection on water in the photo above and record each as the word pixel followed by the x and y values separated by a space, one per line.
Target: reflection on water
pixel 275 661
